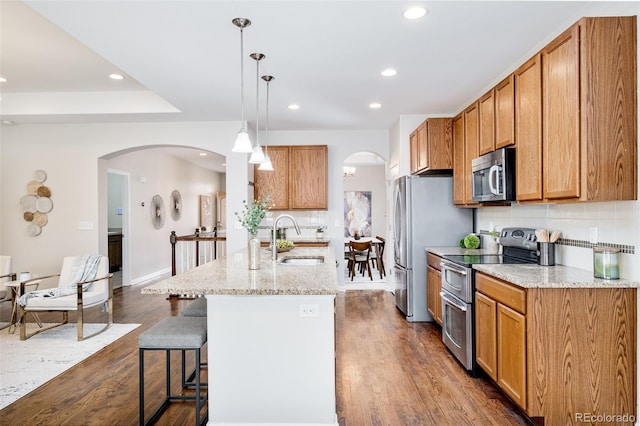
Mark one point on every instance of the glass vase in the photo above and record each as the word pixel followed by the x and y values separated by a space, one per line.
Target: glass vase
pixel 254 252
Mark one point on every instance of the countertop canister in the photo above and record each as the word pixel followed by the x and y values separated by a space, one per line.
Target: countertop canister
pixel 606 263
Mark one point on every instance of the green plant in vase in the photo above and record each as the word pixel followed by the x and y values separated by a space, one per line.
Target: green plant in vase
pixel 252 215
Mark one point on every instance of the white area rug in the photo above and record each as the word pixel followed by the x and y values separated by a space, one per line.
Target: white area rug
pixel 25 365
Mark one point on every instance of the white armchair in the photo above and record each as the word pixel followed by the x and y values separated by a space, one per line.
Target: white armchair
pixel 88 294
pixel 6 275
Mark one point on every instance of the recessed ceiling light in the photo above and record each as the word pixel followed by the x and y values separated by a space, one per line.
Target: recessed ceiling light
pixel 415 12
pixel 8 122
pixel 116 76
pixel 389 72
pixel 375 105
pixel 294 106
pixel 224 164
pixel 3 80
pixel 203 154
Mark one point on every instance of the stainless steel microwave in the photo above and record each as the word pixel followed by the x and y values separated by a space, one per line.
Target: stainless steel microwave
pixel 494 176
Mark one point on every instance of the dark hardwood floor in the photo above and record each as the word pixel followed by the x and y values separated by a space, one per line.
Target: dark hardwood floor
pixel 389 372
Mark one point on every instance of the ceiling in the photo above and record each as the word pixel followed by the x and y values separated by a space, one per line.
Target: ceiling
pixel 181 59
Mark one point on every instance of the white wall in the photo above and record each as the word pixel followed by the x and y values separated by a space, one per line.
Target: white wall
pixel 149 248
pixel 116 187
pixel 75 159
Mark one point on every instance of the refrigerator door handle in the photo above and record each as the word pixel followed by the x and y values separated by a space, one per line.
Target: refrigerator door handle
pixel 396 228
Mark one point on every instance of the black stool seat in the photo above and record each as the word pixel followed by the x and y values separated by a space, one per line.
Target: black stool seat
pixel 175 333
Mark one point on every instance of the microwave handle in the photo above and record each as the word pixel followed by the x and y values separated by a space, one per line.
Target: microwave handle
pixel 494 175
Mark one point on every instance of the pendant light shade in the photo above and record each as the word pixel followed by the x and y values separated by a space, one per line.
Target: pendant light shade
pixel 257 156
pixel 243 142
pixel 266 164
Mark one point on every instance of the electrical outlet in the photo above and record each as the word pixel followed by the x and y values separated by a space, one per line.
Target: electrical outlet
pixel 593 235
pixel 309 310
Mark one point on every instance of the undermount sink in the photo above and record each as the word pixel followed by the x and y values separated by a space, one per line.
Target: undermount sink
pixel 301 260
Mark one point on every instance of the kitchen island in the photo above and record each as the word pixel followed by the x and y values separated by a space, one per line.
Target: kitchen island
pixel 271 336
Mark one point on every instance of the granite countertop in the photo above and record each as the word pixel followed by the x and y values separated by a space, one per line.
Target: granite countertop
pixel 297 239
pixel 536 276
pixel 230 275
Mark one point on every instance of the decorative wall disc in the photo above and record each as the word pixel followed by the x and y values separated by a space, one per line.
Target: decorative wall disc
pixel 28 203
pixel 40 175
pixel 43 191
pixel 44 204
pixel 157 211
pixel 40 219
pixel 34 230
pixel 28 216
pixel 176 205
pixel 32 187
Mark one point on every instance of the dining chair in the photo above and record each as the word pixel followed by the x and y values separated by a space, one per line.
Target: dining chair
pixel 360 252
pixel 377 257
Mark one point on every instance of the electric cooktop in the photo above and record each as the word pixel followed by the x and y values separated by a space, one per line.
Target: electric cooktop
pixel 519 246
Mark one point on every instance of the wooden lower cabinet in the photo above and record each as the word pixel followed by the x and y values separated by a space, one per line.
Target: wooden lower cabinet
pixel 434 284
pixel 559 352
pixel 434 301
pixel 486 335
pixel 512 356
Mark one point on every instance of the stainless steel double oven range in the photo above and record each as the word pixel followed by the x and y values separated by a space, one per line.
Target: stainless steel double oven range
pixel 519 246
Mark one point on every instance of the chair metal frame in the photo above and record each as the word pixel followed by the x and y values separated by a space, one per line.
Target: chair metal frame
pixel 65 312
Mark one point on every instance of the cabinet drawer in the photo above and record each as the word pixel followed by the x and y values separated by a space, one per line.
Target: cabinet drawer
pixel 500 291
pixel 433 261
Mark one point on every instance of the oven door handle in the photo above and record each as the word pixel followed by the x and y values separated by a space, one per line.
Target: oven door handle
pixel 448 266
pixel 452 301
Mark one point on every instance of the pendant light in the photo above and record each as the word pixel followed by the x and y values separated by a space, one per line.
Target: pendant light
pixel 266 164
pixel 257 156
pixel 243 143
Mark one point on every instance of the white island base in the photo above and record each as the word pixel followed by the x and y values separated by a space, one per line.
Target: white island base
pixel 271 359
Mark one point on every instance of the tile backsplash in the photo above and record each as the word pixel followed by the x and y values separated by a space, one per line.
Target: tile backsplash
pixel 307 220
pixel 617 223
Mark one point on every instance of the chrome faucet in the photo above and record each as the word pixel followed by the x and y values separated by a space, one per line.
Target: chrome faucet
pixel 274 246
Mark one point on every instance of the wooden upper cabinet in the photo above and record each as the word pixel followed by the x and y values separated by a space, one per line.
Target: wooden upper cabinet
pixel 487 133
pixel 308 177
pixel 504 94
pixel 431 147
pixel 561 116
pixel 528 102
pixel 589 112
pixel 423 147
pixel 276 182
pixel 608 105
pixel 471 145
pixel 413 152
pixel 459 170
pixel 440 144
pixel 298 179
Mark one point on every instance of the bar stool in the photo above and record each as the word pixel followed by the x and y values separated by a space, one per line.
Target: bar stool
pixel 175 333
pixel 197 308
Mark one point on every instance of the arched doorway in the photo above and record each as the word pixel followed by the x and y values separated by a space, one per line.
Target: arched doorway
pixel 365 210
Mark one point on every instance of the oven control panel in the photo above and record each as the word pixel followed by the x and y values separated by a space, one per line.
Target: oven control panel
pixel 519 237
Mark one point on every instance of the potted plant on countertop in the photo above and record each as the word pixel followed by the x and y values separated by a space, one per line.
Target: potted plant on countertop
pixel 250 219
pixel 320 231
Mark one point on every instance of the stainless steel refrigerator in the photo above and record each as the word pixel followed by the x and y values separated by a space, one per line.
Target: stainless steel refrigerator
pixel 424 216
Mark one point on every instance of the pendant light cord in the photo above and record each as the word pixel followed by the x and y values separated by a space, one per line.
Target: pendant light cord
pixel 242 77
